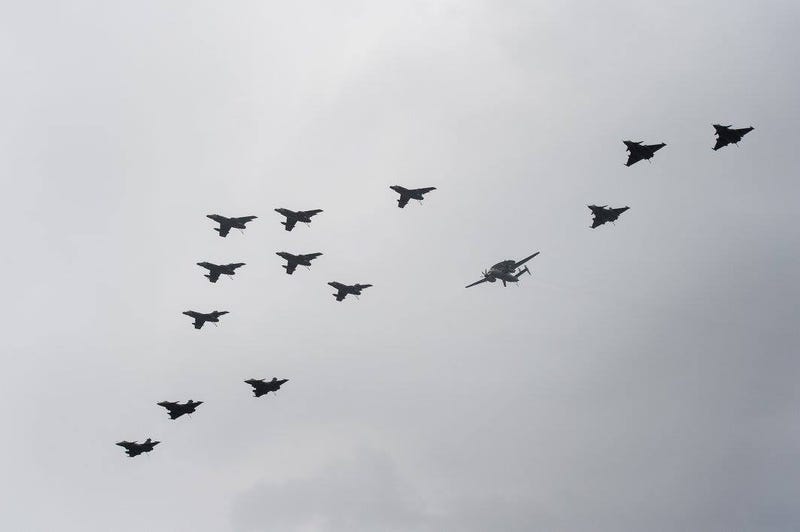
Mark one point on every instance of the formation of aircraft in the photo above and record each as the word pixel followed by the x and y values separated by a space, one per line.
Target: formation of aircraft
pixel 176 410
pixel 292 217
pixel 226 224
pixel 293 261
pixel 407 194
pixel 343 290
pixel 135 449
pixel 605 214
pixel 215 270
pixel 727 135
pixel 507 271
pixel 262 387
pixel 638 151
pixel 200 318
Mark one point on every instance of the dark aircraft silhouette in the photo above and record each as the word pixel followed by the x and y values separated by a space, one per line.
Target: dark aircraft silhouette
pixel 176 410
pixel 605 214
pixel 226 224
pixel 639 151
pixel 726 135
pixel 262 387
pixel 200 318
pixel 135 449
pixel 293 261
pixel 342 290
pixel 215 270
pixel 293 217
pixel 505 271
pixel 407 194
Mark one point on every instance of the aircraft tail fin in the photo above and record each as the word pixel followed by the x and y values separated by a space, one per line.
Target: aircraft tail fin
pixel 523 270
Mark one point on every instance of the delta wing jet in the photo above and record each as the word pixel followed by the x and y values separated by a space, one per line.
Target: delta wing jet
pixel 727 135
pixel 639 151
pixel 605 214
pixel 135 449
pixel 262 387
pixel 176 410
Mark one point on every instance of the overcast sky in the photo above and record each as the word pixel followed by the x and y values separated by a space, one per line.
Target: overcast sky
pixel 644 378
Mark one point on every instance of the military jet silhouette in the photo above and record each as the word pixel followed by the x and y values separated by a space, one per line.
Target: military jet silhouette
pixel 726 135
pixel 226 224
pixel 176 410
pixel 215 270
pixel 293 261
pixel 200 318
pixel 342 290
pixel 262 387
pixel 505 271
pixel 293 217
pixel 605 214
pixel 639 151
pixel 407 194
pixel 135 449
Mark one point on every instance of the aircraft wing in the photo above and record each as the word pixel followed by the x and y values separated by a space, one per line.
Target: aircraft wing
pixel 245 219
pixel 721 143
pixel 477 282
pixel 403 200
pixel 198 322
pixel 425 190
pixel 311 256
pixel 290 223
pixel 597 222
pixel 224 229
pixel 312 212
pixel 634 157
pixel 291 266
pixel 213 275
pixel 526 259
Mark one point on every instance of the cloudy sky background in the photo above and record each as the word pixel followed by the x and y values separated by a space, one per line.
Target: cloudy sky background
pixel 644 378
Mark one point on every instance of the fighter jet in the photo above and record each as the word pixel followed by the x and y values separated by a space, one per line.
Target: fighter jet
pixel 262 387
pixel 226 224
pixel 135 449
pixel 726 135
pixel 176 410
pixel 605 214
pixel 342 290
pixel 506 271
pixel 409 194
pixel 293 261
pixel 639 151
pixel 215 270
pixel 200 318
pixel 293 217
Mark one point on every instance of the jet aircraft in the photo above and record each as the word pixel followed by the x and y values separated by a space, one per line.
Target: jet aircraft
pixel 215 270
pixel 639 151
pixel 200 318
pixel 727 135
pixel 506 271
pixel 342 290
pixel 262 387
pixel 293 217
pixel 293 261
pixel 407 194
pixel 135 449
pixel 605 214
pixel 176 410
pixel 226 224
